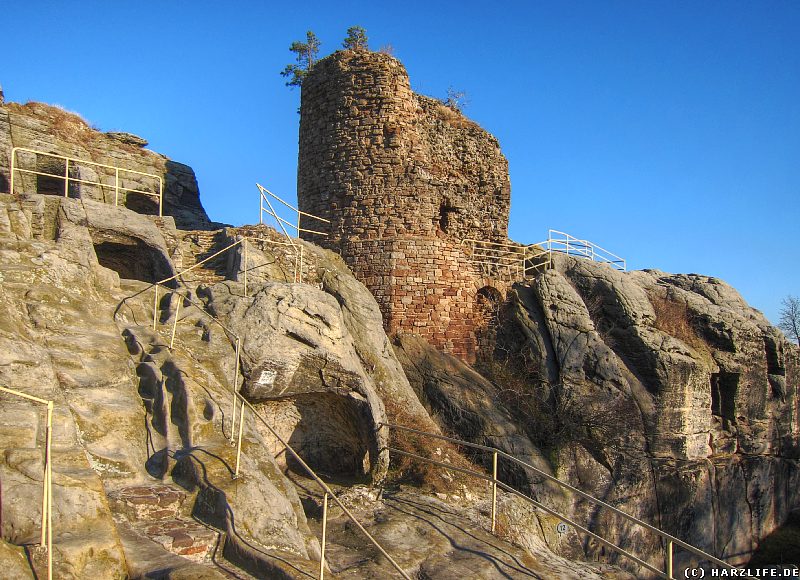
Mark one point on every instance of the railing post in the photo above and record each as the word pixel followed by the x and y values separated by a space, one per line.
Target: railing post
pixel 175 323
pixel 245 267
pixel 669 559
pixel 49 486
pixel 155 309
pixel 13 168
pixel 300 272
pixel 66 178
pixel 298 221
pixel 324 531
pixel 494 490
pixel 239 445
pixel 43 539
pixel 234 380
pixel 160 197
pixel 116 186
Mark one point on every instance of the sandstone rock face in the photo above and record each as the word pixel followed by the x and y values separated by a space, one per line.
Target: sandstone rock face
pixel 143 396
pixel 301 368
pixel 664 395
pixel 675 401
pixel 14 563
pixel 469 405
pixel 53 130
pixel 128 411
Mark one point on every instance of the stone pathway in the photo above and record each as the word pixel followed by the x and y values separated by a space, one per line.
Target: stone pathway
pixel 152 513
pixel 429 538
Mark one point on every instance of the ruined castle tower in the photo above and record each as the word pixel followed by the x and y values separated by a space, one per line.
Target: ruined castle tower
pixel 404 180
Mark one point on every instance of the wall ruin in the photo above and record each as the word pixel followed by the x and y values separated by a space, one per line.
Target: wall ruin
pixel 403 180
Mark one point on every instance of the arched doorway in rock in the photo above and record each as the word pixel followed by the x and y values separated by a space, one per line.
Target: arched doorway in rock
pixel 333 433
pixel 130 257
pixel 488 302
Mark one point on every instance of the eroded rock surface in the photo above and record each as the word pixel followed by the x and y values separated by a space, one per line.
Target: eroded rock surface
pixel 51 129
pixel 675 401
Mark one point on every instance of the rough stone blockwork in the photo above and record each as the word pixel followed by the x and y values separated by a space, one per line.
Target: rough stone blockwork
pixel 403 180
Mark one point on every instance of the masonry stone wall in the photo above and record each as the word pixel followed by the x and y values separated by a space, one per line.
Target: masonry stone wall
pixel 403 180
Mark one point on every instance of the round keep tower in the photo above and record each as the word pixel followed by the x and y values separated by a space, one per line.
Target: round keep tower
pixel 404 180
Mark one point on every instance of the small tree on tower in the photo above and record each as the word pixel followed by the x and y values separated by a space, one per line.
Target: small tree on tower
pixel 356 39
pixel 306 55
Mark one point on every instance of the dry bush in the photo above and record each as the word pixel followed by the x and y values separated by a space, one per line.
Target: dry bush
pixel 409 470
pixel 553 415
pixel 65 124
pixel 674 318
pixel 453 118
pixel 387 49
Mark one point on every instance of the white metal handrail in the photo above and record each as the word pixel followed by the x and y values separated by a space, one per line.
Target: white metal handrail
pixel 670 540
pixel 46 539
pixel 564 243
pixel 325 489
pixel 264 197
pixel 270 210
pixel 516 260
pixel 77 163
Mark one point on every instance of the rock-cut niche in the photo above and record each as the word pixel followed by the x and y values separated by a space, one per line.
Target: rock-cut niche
pixel 130 257
pixel 327 430
pixel 724 387
pixel 320 412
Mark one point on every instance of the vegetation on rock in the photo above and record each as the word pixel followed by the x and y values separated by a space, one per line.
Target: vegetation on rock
pixel 356 39
pixel 306 55
pixel 790 318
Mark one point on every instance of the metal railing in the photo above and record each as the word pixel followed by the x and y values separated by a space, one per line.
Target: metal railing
pixel 264 197
pixel 239 405
pixel 669 540
pixel 564 243
pixel 498 259
pixel 520 262
pixel 46 539
pixel 77 163
pixel 327 492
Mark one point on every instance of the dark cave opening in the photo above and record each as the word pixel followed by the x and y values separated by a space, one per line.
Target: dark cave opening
pixel 774 354
pixel 724 388
pixel 142 203
pixel 330 432
pixel 133 261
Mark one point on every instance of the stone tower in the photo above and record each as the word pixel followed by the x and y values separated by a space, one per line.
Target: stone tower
pixel 403 180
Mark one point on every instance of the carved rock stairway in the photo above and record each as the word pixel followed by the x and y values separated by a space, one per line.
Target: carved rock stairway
pixel 153 511
pixel 199 245
pixel 187 446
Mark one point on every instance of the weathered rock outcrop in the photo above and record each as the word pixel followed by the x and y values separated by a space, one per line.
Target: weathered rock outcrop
pixel 674 401
pixel 663 395
pixel 142 460
pixel 53 130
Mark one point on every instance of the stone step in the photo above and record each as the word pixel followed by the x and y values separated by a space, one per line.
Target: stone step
pixel 149 559
pixel 186 538
pixel 199 245
pixel 147 502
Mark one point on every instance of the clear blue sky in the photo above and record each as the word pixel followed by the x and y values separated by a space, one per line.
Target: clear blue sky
pixel 667 132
